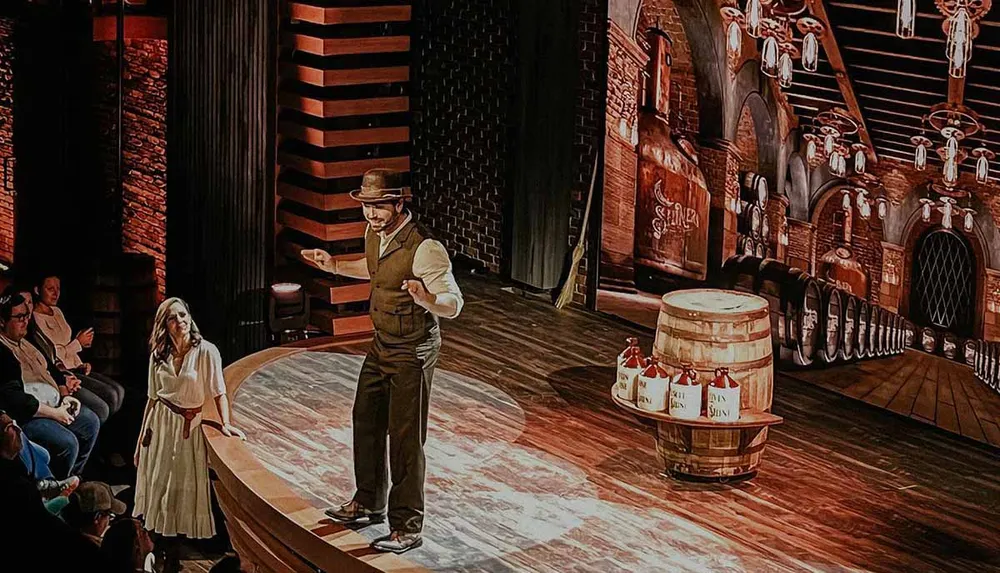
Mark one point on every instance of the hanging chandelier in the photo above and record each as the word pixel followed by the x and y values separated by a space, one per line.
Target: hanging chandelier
pixel 947 204
pixel 867 190
pixel 770 21
pixel 827 142
pixel 960 25
pixel 955 123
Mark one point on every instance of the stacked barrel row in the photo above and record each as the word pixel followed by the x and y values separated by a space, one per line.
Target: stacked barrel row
pixel 814 321
pixel 754 227
pixel 986 362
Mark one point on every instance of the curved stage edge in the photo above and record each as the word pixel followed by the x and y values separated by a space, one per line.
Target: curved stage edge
pixel 270 525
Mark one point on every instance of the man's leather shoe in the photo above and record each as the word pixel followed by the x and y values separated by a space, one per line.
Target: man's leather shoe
pixel 354 512
pixel 50 488
pixel 398 542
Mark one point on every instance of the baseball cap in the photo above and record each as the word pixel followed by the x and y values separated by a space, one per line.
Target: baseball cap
pixel 95 496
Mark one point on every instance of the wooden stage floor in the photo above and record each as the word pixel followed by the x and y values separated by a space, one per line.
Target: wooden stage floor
pixel 531 468
pixel 928 388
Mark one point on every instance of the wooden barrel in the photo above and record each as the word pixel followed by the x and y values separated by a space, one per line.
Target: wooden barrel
pixel 754 188
pixel 897 332
pixel 765 230
pixel 993 365
pixel 713 328
pixel 760 249
pixel 745 246
pixel 977 360
pixel 740 273
pixel 803 306
pixel 928 340
pixel 848 347
pixel 749 221
pixel 883 332
pixel 969 352
pixel 910 335
pixel 873 322
pixel 949 346
pixel 862 350
pixel 831 323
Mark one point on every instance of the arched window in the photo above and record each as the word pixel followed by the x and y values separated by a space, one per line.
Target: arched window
pixel 944 282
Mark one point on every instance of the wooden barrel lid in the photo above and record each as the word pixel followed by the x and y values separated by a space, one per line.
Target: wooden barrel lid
pixel 714 304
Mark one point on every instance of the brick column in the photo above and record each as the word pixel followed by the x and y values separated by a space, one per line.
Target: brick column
pixel 777 207
pixel 891 288
pixel 802 245
pixel 720 162
pixel 626 60
pixel 991 320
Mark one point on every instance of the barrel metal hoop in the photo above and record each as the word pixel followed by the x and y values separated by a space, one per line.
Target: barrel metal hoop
pixel 699 337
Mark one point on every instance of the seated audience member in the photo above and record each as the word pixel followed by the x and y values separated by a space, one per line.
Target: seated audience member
pixel 45 416
pixel 127 547
pixel 32 371
pixel 52 325
pixel 90 510
pixel 36 459
pixel 26 528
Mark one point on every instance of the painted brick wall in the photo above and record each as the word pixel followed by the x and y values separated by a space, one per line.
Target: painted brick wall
pixel 6 139
pixel 683 90
pixel 144 206
pixel 464 87
pixel 464 80
pixel 746 141
pixel 866 241
pixel 591 87
pixel 801 244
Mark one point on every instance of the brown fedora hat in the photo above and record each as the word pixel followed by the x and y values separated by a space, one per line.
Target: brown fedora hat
pixel 380 185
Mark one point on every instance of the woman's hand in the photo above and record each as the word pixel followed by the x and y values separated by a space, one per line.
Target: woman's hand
pixel 87 368
pixel 86 337
pixel 231 431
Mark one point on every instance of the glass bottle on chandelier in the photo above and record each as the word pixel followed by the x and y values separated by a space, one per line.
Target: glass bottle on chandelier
pixel 769 57
pixel 921 144
pixel 983 158
pixel 828 142
pixel 810 52
pixel 811 150
pixel 951 171
pixel 968 219
pixel 785 70
pixel 906 18
pixel 947 208
pixel 883 208
pixel 959 47
pixel 754 16
pixel 734 40
pixel 846 202
pixel 925 209
pixel 859 158
pixel 951 150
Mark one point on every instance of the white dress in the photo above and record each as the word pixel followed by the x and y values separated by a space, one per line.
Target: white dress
pixel 173 493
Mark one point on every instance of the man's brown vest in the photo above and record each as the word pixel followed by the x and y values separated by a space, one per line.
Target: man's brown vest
pixel 397 319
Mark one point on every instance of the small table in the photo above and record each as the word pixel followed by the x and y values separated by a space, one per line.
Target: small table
pixel 702 447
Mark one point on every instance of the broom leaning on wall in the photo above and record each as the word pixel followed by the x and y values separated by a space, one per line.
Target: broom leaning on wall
pixel 566 294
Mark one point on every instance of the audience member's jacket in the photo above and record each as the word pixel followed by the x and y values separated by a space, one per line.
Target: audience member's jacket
pixel 19 404
pixel 48 349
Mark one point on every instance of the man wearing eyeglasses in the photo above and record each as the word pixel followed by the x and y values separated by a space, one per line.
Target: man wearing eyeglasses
pixel 65 428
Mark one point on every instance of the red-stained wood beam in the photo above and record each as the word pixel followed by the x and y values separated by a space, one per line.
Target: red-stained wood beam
pixel 136 28
pixel 840 70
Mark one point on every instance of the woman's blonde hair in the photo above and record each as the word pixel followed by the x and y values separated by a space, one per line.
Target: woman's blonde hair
pixel 160 343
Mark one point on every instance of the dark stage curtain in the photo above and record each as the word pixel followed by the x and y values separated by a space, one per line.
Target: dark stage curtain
pixel 544 164
pixel 220 166
pixel 64 217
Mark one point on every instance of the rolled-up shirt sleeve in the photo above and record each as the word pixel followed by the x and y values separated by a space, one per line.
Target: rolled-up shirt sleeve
pixel 432 265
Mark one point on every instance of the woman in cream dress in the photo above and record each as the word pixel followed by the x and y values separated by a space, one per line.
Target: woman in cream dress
pixel 172 487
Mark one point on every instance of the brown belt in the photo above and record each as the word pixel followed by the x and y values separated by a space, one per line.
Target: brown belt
pixel 187 413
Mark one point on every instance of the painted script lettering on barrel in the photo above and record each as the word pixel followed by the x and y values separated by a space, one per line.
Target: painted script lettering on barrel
pixel 809 320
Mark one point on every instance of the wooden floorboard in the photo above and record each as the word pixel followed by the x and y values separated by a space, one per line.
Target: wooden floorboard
pixel 531 467
pixel 925 405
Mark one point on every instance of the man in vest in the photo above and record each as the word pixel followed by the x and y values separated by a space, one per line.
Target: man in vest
pixel 412 287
